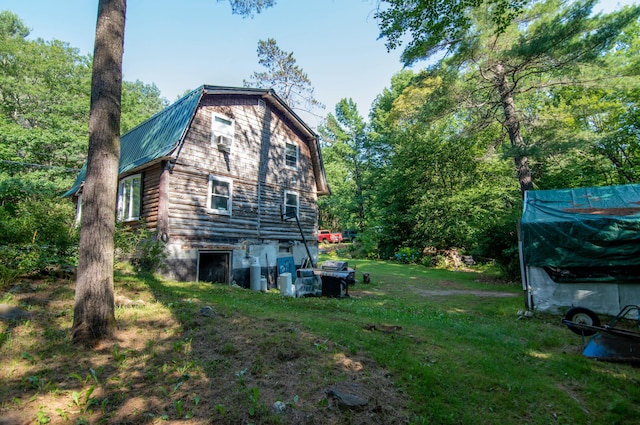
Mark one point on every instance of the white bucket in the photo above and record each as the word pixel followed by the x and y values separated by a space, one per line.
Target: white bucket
pixel 284 283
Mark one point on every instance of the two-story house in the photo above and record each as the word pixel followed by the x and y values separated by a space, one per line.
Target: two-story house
pixel 213 175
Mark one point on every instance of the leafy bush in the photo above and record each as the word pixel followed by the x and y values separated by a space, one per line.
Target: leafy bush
pixel 7 276
pixel 151 255
pixel 139 246
pixel 407 255
pixel 37 227
pixel 500 243
pixel 366 245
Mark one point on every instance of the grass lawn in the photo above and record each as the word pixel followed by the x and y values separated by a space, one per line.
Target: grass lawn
pixel 418 345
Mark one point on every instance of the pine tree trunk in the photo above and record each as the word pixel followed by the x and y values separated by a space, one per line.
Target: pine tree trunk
pixel 512 124
pixel 93 315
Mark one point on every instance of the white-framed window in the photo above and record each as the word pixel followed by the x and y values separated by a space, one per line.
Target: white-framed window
pixel 220 195
pixel 291 155
pixel 291 203
pixel 222 131
pixel 129 197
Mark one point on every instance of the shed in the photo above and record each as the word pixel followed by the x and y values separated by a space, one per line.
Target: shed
pixel 581 247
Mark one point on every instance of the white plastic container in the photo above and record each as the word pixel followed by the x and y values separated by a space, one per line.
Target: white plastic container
pixel 284 284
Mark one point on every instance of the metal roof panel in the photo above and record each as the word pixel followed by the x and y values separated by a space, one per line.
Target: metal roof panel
pixel 155 138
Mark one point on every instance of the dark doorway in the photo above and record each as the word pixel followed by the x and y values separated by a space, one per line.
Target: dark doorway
pixel 213 267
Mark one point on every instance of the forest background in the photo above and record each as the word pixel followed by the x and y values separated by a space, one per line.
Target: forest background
pixel 439 163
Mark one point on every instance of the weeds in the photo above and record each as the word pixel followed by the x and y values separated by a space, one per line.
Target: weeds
pixel 42 417
pixel 178 406
pixel 240 375
pixel 254 396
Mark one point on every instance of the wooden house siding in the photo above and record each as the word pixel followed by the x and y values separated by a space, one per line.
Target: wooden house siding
pixel 256 167
pixel 150 196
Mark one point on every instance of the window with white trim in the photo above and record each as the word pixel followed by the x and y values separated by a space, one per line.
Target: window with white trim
pixel 222 131
pixel 129 197
pixel 291 155
pixel 291 203
pixel 220 195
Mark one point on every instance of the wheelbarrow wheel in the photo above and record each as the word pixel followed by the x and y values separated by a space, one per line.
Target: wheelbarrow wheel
pixel 582 316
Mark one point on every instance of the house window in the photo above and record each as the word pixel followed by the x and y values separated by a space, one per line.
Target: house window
pixel 129 191
pixel 291 203
pixel 222 132
pixel 291 155
pixel 220 194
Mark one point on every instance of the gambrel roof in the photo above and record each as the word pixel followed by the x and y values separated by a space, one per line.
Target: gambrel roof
pixel 161 136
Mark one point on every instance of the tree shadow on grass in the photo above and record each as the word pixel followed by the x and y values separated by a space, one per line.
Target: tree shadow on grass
pixel 47 379
pixel 190 354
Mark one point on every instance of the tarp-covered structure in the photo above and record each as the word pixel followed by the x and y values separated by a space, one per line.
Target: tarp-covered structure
pixel 581 247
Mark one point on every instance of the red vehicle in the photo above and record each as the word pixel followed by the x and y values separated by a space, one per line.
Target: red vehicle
pixel 325 236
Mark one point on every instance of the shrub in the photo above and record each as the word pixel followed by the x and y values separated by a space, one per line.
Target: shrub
pixel 139 246
pixel 407 255
pixel 151 255
pixel 7 276
pixel 500 243
pixel 365 246
pixel 37 228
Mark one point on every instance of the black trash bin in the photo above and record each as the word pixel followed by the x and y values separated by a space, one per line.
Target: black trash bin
pixel 333 286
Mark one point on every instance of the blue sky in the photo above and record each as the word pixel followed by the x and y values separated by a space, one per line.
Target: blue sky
pixel 180 45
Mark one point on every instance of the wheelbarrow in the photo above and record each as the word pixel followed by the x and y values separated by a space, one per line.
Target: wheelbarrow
pixel 608 342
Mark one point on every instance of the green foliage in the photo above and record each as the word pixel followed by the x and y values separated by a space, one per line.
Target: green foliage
pixel 7 275
pixel 44 114
pixel 139 102
pixel 351 164
pixel 437 25
pixel 367 244
pixel 284 76
pixel 247 8
pixel 45 103
pixel 407 255
pixel 38 230
pixel 139 246
pixel 445 175
pixel 499 242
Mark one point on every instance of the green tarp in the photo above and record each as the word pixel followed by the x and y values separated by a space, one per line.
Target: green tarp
pixel 596 227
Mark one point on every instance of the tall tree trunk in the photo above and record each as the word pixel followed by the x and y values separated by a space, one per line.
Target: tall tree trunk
pixel 93 315
pixel 359 194
pixel 512 124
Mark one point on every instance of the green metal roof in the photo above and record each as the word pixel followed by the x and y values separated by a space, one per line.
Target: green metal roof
pixel 155 138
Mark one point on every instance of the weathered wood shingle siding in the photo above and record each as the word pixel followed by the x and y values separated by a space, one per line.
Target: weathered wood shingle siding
pixel 256 167
pixel 150 186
